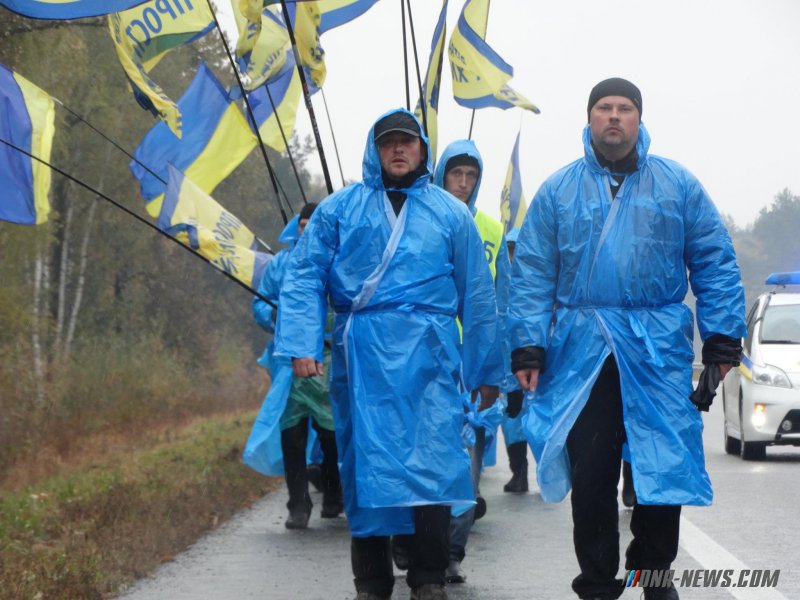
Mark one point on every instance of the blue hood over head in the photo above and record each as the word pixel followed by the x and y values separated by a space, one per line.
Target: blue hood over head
pixel 456 148
pixel 371 165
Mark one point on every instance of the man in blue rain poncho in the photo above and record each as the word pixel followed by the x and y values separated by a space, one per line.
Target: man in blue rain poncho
pixel 399 259
pixel 459 171
pixel 292 407
pixel 513 434
pixel 600 331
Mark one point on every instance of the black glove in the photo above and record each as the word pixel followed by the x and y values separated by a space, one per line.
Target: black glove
pixel 527 357
pixel 717 349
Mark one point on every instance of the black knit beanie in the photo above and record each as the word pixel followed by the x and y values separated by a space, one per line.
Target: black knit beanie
pixel 462 160
pixel 307 210
pixel 616 86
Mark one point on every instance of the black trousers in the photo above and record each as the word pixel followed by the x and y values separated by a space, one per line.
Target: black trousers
pixel 427 554
pixel 595 450
pixel 293 444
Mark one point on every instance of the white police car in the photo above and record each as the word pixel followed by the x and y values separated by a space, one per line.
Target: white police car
pixel 761 399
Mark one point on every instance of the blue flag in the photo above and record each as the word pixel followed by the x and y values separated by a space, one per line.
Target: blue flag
pixel 216 139
pixel 27 121
pixel 512 199
pixel 480 75
pixel 284 93
pixel 334 13
pixel 433 80
pixel 68 9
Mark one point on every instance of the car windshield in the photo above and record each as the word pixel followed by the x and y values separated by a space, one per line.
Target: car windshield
pixel 781 325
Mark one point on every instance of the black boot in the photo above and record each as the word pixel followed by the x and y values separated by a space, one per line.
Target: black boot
pixel 518 461
pixel 628 493
pixel 293 444
pixel 332 503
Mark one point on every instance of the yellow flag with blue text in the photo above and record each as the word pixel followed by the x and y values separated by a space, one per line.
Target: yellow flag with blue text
pixel 67 9
pixel 27 121
pixel 216 139
pixel 143 35
pixel 512 199
pixel 433 80
pixel 480 75
pixel 197 220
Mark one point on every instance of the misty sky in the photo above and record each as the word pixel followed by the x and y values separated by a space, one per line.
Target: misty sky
pixel 719 80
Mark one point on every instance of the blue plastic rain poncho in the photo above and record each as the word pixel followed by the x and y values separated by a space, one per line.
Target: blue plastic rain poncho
pixel 593 276
pixel 397 284
pixel 496 252
pixel 263 452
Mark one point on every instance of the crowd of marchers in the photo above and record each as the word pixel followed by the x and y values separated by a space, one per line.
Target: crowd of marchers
pixel 416 327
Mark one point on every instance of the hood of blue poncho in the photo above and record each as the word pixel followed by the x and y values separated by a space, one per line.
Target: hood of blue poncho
pixel 371 165
pixel 454 149
pixel 642 147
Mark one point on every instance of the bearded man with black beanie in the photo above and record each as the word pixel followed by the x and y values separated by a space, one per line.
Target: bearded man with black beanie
pixel 601 334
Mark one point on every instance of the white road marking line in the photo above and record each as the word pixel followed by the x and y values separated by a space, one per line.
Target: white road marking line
pixel 711 555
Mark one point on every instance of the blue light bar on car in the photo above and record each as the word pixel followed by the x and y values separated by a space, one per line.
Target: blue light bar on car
pixel 784 279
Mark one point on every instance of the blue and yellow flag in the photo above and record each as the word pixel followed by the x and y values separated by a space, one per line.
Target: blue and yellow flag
pixel 263 46
pixel 305 18
pixel 27 121
pixel 512 199
pixel 433 79
pixel 196 220
pixel 284 94
pixel 216 139
pixel 69 9
pixel 144 34
pixel 334 13
pixel 480 75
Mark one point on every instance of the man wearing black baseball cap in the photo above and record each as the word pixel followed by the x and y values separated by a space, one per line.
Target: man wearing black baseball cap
pixel 603 337
pixel 399 260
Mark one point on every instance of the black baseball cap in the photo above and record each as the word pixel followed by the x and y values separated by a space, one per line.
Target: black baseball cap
pixel 397 121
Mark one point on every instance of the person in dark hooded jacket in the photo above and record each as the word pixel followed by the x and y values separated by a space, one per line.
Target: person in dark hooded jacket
pixel 399 260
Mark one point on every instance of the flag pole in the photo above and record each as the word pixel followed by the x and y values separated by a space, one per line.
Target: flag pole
pixel 405 54
pixel 130 213
pixel 272 176
pixel 485 29
pixel 288 150
pixel 307 96
pixel 108 139
pixel 422 103
pixel 333 136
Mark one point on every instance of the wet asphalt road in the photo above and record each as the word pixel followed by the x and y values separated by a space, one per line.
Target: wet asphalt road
pixel 521 549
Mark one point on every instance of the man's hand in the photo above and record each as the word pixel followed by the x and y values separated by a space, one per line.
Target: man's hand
pixel 489 394
pixel 528 379
pixel 723 370
pixel 306 367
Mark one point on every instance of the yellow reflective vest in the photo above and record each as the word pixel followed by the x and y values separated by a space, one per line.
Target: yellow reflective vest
pixel 491 231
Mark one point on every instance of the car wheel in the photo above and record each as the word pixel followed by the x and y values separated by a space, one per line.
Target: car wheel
pixel 749 450
pixel 732 444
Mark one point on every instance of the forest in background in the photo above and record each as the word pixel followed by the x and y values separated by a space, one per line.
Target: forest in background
pixel 105 326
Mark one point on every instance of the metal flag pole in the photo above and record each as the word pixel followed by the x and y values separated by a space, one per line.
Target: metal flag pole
pixel 405 54
pixel 333 136
pixel 422 101
pixel 485 29
pixel 307 96
pixel 130 213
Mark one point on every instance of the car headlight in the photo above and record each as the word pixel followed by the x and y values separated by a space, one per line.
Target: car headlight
pixel 769 375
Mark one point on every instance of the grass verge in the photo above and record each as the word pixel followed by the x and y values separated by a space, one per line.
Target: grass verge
pixel 90 533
